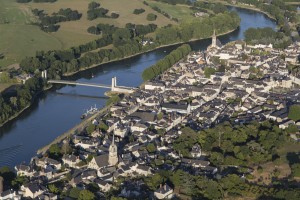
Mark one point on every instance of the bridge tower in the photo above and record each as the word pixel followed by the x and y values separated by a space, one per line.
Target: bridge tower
pixel 113 83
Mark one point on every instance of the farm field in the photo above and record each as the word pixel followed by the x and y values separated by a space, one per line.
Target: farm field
pixel 20 39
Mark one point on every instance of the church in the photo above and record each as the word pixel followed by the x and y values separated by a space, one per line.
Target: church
pixel 106 160
pixel 215 43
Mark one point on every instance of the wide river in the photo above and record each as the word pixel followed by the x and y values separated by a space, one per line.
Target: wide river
pixel 60 108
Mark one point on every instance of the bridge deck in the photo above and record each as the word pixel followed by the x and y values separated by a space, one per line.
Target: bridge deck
pixel 80 83
pixel 89 84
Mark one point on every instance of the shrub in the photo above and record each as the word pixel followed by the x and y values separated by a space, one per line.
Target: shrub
pixel 138 11
pixel 151 17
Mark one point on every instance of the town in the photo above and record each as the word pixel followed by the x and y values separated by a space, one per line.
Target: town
pixel 235 82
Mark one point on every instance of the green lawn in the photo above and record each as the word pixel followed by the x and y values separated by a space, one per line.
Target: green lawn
pixel 181 12
pixel 14 13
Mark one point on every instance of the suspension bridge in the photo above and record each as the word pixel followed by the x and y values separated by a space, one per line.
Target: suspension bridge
pixel 113 87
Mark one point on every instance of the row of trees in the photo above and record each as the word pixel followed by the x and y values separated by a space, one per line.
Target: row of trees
pixel 140 29
pixel 135 30
pixel 62 61
pixel 167 62
pixel 102 29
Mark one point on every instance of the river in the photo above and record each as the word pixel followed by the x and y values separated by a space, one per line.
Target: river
pixel 60 108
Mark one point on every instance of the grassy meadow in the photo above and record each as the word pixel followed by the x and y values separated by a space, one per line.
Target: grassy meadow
pixel 18 38
pixel 181 12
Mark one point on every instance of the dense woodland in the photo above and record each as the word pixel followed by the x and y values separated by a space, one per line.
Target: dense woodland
pixel 267 36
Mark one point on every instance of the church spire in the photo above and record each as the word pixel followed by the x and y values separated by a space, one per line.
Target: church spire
pixel 113 152
pixel 214 39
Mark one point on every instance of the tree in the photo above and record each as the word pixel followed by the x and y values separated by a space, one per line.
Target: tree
pixel 91 128
pixel 74 193
pixel 151 17
pixel 296 170
pixel 13 101
pixel 151 148
pixel 138 11
pixel 154 181
pixel 53 189
pixel 19 181
pixel 294 112
pixel 54 151
pixel 86 195
pixel 208 71
pixel 66 149
pixel 8 176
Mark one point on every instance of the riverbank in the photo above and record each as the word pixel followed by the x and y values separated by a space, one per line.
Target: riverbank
pixel 28 106
pixel 78 128
pixel 111 61
pixel 147 51
pixel 254 9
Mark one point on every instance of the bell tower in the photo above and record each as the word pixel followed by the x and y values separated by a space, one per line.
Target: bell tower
pixel 214 39
pixel 113 152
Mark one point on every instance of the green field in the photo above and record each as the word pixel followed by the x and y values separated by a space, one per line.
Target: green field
pixel 15 13
pixel 17 37
pixel 181 12
pixel 20 39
